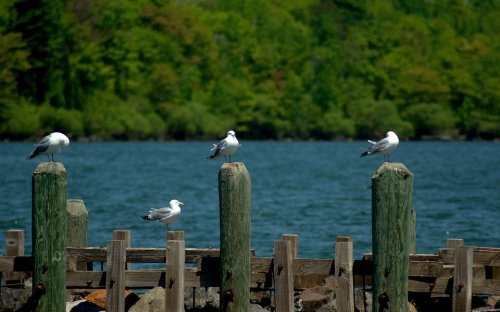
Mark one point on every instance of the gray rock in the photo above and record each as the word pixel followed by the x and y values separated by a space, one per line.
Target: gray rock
pixel 358 300
pixel 256 308
pixel 152 301
pixel 202 297
pixel 329 307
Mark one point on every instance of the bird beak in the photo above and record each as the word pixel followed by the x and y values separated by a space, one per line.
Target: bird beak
pixel 180 203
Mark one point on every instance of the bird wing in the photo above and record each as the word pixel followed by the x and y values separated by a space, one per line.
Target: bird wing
pixel 379 146
pixel 40 147
pixel 217 148
pixel 160 213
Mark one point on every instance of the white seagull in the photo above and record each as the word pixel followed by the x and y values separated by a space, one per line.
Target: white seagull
pixel 52 143
pixel 165 215
pixel 226 147
pixel 385 146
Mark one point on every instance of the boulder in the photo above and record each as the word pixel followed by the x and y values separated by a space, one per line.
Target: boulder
pixel 202 297
pixel 151 301
pixel 256 308
pixel 314 298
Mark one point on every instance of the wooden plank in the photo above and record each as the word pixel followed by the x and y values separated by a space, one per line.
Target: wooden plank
pixel 343 274
pixel 462 280
pixel 489 257
pixel 283 276
pixel 174 290
pixel 126 236
pixel 142 255
pixel 115 276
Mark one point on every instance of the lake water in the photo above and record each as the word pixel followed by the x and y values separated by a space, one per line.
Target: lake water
pixel 315 189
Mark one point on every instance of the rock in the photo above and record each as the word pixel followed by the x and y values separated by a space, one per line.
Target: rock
pixel 359 305
pixel 12 299
pixel 151 301
pixel 256 308
pixel 202 297
pixel 314 298
pixel 329 307
pixel 82 306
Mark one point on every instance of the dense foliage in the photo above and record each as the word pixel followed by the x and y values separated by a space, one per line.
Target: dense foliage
pixel 139 69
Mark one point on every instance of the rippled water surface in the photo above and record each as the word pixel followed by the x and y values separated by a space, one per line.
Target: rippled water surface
pixel 316 189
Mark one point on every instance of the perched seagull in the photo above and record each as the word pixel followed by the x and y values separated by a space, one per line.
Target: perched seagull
pixel 225 147
pixel 165 215
pixel 385 146
pixel 52 143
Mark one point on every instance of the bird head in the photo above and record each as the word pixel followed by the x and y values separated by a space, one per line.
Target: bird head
pixel 175 202
pixel 391 134
pixel 231 133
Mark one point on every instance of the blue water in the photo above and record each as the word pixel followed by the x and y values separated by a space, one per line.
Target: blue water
pixel 315 189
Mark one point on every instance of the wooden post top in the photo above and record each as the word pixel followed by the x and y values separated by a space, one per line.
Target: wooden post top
pixel 342 238
pixel 234 166
pixel 76 207
pixel 397 168
pixel 50 167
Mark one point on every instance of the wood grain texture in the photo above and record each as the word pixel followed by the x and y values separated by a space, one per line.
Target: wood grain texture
pixel 49 230
pixel 234 208
pixel 343 273
pixel 294 243
pixel 174 288
pixel 283 276
pixel 115 276
pixel 392 186
pixel 462 279
pixel 77 219
pixel 175 235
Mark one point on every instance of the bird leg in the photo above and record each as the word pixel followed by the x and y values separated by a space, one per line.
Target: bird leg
pixel 52 156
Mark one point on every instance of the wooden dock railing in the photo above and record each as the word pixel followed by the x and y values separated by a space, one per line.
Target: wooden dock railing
pixel 62 260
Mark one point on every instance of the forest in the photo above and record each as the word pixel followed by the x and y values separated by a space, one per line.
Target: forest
pixel 269 69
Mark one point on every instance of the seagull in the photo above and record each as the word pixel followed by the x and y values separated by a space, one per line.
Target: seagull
pixel 165 215
pixel 225 147
pixel 385 146
pixel 52 143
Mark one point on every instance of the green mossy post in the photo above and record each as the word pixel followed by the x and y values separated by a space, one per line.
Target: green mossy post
pixel 49 226
pixel 234 203
pixel 77 215
pixel 392 186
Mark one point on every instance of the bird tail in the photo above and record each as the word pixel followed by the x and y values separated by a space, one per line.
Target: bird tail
pixel 365 154
pixel 147 217
pixel 33 154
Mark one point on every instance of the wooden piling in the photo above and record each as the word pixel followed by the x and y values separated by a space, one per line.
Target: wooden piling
pixel 234 206
pixel 115 276
pixel 77 218
pixel 454 243
pixel 174 281
pixel 462 279
pixel 283 276
pixel 343 273
pixel 14 243
pixel 294 243
pixel 392 186
pixel 49 226
pixel 175 235
pixel 14 246
pixel 124 235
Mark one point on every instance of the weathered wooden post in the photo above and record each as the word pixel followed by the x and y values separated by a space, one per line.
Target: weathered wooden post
pixel 115 276
pixel 126 236
pixel 174 281
pixel 234 206
pixel 294 243
pixel 77 216
pixel 392 186
pixel 175 235
pixel 454 243
pixel 283 275
pixel 49 234
pixel 343 273
pixel 14 246
pixel 462 279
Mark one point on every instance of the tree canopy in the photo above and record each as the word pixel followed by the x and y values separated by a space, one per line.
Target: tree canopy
pixel 322 69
